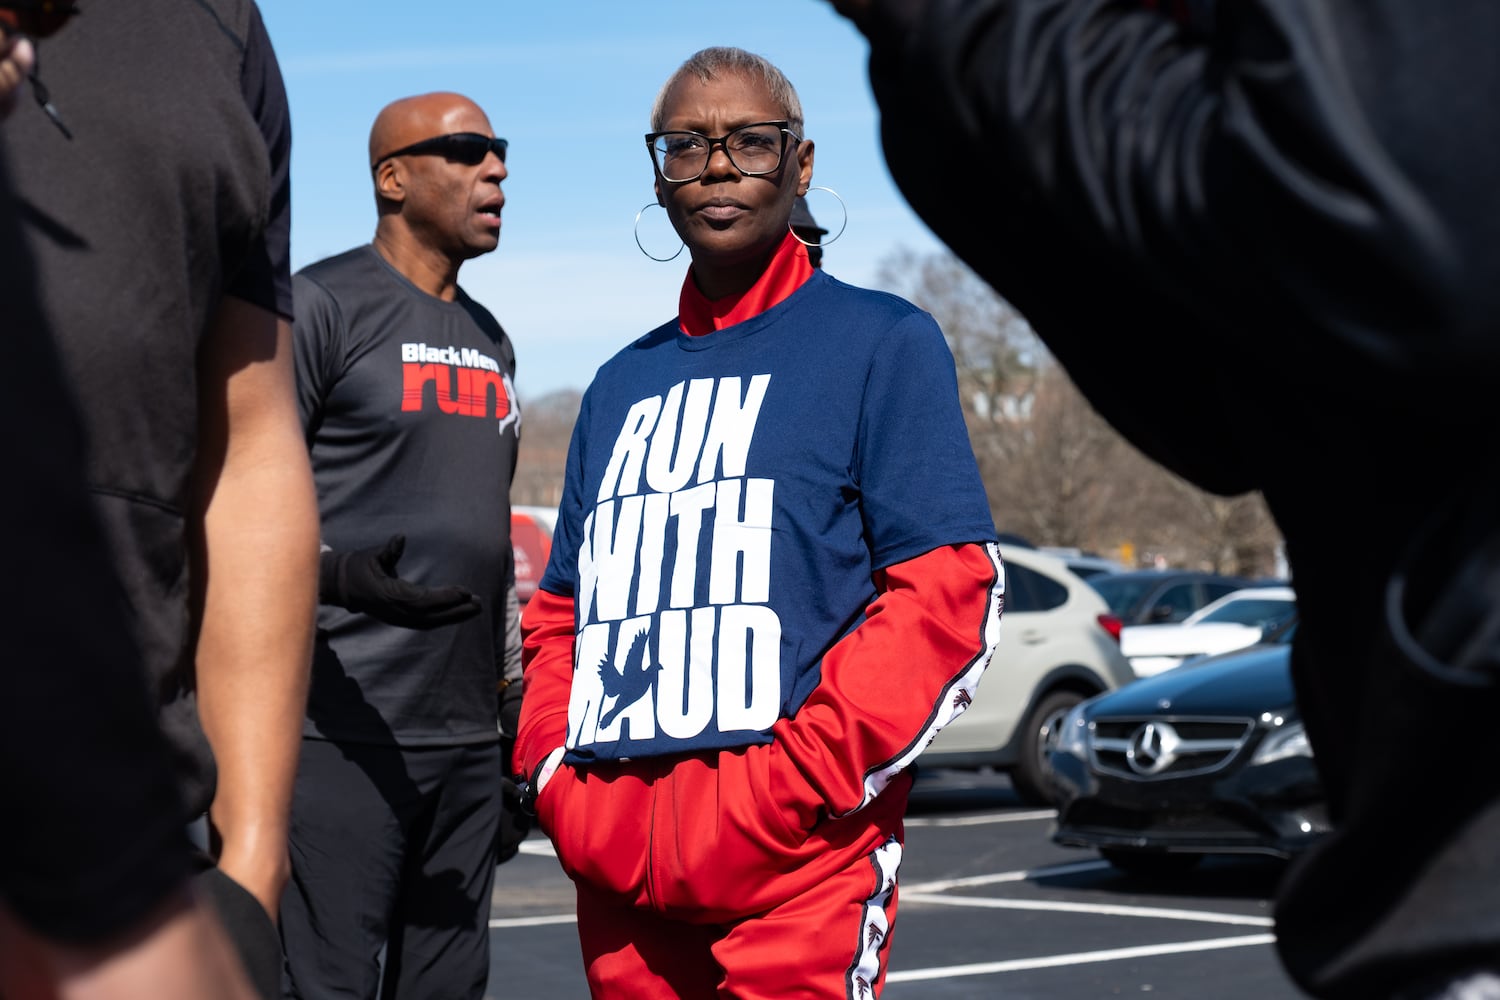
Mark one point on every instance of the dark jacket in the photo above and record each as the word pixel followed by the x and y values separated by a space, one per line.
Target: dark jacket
pixel 1284 227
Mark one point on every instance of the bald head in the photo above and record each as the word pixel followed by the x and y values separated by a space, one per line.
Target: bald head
pixel 440 203
pixel 412 119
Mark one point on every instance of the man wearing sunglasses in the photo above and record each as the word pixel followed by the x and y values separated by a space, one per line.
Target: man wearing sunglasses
pixel 405 388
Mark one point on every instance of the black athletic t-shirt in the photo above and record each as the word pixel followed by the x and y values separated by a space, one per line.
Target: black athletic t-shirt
pixel 171 193
pixel 91 838
pixel 412 422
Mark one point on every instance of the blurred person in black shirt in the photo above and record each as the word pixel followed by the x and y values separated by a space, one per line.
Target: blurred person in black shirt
pixel 154 214
pixel 95 867
pixel 1296 200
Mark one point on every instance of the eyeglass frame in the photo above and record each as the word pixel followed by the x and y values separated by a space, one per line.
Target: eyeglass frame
pixel 783 124
pixel 433 145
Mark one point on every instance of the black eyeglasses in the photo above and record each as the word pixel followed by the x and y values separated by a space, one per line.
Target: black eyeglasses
pixel 468 148
pixel 754 150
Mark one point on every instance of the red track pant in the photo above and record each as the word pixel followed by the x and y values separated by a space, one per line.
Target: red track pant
pixel 713 876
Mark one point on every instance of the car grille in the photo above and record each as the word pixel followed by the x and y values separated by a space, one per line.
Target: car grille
pixel 1143 749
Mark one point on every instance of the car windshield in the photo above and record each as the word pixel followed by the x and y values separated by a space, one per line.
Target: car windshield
pixel 1262 611
pixel 1121 593
pixel 1282 634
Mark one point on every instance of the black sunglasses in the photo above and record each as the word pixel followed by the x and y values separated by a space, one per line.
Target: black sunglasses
pixel 468 148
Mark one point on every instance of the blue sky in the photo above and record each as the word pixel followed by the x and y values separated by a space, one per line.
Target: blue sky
pixel 570 84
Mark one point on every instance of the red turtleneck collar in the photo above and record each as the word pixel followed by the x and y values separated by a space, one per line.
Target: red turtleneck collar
pixel 787 270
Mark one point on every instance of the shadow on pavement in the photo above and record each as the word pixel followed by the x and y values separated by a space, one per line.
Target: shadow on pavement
pixel 1218 877
pixel 940 790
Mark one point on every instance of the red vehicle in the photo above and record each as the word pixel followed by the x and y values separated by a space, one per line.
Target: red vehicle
pixel 531 536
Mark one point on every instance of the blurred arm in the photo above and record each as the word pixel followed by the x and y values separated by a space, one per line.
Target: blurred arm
pixel 257 574
pixel 179 951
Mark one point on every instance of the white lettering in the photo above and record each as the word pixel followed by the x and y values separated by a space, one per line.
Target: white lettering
pixel 685 700
pixel 727 444
pixel 617 530
pixel 588 569
pixel 623 474
pixel 734 537
pixel 654 521
pixel 749 668
pixel 676 441
pixel 471 358
pixel 679 538
pixel 592 651
pixel 466 357
pixel 620 693
pixel 688 508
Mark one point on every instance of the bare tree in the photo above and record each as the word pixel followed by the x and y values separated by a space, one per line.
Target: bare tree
pixel 1060 480
pixel 547 427
pixel 1056 472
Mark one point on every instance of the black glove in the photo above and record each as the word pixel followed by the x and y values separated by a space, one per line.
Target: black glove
pixel 366 581
pixel 515 814
pixel 515 820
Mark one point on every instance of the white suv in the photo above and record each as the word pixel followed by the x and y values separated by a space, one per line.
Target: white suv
pixel 1058 645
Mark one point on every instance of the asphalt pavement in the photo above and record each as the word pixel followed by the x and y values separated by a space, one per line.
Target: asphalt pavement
pixel 990 908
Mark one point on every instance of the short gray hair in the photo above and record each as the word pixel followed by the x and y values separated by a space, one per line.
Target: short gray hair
pixel 711 63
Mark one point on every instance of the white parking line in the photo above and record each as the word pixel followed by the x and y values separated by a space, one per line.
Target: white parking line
pixel 1102 909
pixel 932 893
pixel 541 848
pixel 1078 958
pixel 983 819
pixel 560 918
pixel 969 881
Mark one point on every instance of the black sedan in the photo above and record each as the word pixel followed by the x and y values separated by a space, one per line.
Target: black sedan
pixel 1207 758
pixel 1161 596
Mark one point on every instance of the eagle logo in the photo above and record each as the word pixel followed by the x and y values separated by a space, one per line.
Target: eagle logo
pixel 875 933
pixel 630 685
pixel 962 699
pixel 861 986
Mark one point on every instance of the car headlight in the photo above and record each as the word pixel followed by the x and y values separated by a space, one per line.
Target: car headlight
pixel 1073 734
pixel 1288 741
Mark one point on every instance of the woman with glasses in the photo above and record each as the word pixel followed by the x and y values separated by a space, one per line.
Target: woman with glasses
pixel 773 580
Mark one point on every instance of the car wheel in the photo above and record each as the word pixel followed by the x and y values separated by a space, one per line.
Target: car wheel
pixel 1157 864
pixel 1030 777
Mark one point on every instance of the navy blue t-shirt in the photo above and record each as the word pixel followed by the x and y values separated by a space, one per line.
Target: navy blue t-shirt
pixel 728 499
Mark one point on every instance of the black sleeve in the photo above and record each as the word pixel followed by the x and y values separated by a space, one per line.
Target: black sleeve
pixel 318 347
pixel 266 277
pixel 92 838
pixel 1159 202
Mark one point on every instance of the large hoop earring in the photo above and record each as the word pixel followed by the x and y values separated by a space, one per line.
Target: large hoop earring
pixel 638 243
pixel 842 226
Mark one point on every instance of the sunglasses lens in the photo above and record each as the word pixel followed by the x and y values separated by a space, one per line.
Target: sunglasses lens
pixel 472 149
pixel 468 148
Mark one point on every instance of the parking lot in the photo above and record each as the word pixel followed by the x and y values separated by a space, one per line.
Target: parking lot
pixel 989 908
